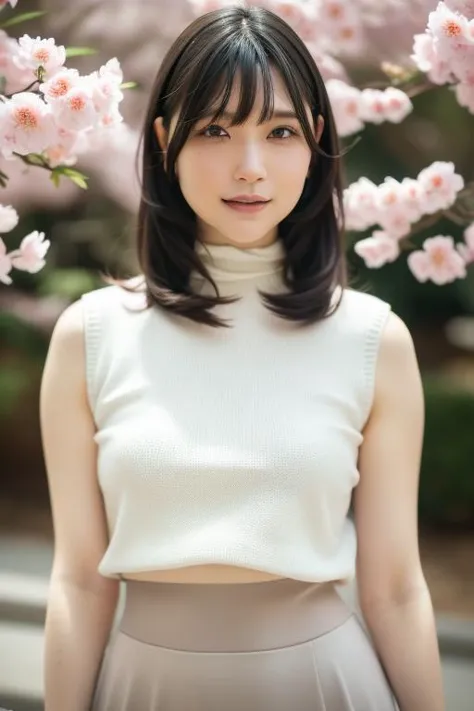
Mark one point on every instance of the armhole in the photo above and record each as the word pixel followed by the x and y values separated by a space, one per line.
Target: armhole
pixel 372 346
pixel 92 329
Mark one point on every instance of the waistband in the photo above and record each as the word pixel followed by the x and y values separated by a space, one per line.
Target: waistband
pixel 231 617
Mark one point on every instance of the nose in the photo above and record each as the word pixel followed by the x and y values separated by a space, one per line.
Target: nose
pixel 251 163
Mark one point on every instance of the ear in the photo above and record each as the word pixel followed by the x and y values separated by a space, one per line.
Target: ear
pixel 161 135
pixel 320 127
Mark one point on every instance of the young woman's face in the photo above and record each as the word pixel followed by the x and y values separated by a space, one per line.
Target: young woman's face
pixel 219 162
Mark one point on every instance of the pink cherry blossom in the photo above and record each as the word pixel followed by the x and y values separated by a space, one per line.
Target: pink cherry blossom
pixel 412 196
pixel 76 111
pixel 395 222
pixel 440 185
pixel 105 85
pixel 289 10
pixel 5 264
pixel 360 204
pixel 340 22
pixel 110 118
pixel 372 105
pixel 448 27
pixel 377 250
pixel 438 261
pixel 397 104
pixel 346 106
pixel 466 250
pixel 32 250
pixel 27 125
pixel 427 59
pixel 388 105
pixel 13 3
pixel 461 62
pixel 16 78
pixel 8 218
pixel 392 212
pixel 59 85
pixel 64 150
pixel 35 53
pixel 388 194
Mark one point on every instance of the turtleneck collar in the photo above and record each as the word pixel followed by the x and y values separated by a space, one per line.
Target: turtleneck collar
pixel 229 263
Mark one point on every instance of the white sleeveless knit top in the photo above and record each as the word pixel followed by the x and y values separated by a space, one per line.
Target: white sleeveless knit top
pixel 232 446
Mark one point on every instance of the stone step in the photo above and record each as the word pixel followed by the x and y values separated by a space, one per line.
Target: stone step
pixel 21 654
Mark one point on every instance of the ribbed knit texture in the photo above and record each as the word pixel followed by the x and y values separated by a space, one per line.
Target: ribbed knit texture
pixel 233 446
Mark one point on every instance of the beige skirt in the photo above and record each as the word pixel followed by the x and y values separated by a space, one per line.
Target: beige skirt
pixel 281 645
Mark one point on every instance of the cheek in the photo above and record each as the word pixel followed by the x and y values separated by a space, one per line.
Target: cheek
pixel 294 168
pixel 200 179
pixel 198 165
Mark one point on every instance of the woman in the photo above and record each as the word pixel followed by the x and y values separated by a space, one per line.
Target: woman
pixel 205 427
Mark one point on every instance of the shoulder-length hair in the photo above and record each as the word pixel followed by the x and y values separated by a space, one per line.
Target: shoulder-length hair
pixel 196 78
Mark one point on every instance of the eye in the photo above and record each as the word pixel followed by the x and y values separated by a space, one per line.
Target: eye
pixel 209 128
pixel 215 127
pixel 285 128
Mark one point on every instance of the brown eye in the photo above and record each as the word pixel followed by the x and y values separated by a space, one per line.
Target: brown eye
pixel 210 128
pixel 285 128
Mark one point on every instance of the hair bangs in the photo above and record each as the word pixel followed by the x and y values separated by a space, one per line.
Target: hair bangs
pixel 243 64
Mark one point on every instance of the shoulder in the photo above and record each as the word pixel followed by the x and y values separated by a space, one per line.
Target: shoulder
pixel 360 302
pixel 72 324
pixel 362 315
pixel 398 379
pixel 387 331
pixel 397 349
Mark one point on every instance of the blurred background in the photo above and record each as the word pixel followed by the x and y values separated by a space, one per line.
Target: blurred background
pixel 93 230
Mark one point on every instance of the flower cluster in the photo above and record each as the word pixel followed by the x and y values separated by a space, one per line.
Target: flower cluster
pixel 446 50
pixel 56 120
pixel 49 114
pixel 352 107
pixel 30 255
pixel 396 206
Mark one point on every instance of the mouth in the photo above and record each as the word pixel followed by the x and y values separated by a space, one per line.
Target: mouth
pixel 246 207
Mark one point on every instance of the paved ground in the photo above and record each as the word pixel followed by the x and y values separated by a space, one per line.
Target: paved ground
pixel 25 565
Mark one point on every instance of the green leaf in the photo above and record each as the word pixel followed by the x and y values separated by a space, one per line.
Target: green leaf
pixel 129 85
pixel 35 159
pixel 79 51
pixel 74 175
pixel 55 177
pixel 23 18
pixel 79 180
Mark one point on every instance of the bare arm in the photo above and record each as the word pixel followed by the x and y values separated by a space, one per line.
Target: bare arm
pixel 81 603
pixel 393 594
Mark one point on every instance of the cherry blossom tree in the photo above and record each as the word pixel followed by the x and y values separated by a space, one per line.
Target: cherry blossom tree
pixel 49 114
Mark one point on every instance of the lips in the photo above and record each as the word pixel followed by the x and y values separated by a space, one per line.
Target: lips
pixel 247 199
pixel 247 202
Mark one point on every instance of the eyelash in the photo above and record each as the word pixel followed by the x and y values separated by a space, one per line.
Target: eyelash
pixel 279 128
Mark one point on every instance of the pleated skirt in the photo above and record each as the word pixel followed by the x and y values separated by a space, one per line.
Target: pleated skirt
pixel 281 645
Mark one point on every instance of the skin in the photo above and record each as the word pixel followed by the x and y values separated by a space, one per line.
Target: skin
pixel 249 159
pixel 393 594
